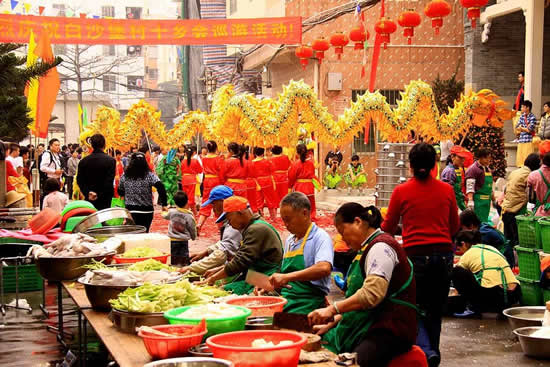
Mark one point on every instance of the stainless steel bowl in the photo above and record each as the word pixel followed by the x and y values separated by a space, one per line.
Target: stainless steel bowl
pixel 104 233
pixel 519 317
pixel 532 346
pixel 201 350
pixel 191 362
pixel 99 295
pixel 259 323
pixel 127 322
pixel 57 269
pixel 103 216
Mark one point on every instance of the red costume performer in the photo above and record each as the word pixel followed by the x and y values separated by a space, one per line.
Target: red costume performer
pixel 281 164
pixel 251 189
pixel 262 170
pixel 119 171
pixel 300 178
pixel 212 166
pixel 235 175
pixel 189 174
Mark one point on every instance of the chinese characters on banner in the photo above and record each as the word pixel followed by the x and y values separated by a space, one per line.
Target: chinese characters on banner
pixel 16 28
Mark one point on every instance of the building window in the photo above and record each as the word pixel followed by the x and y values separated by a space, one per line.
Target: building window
pixel 134 83
pixel 133 13
pixel 108 11
pixel 232 6
pixel 109 83
pixel 153 74
pixel 133 51
pixel 109 50
pixel 60 9
pixel 359 145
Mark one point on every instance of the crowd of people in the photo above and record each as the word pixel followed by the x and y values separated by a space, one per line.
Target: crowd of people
pixel 437 213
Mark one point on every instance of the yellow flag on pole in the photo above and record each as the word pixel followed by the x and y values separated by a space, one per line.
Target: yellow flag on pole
pixel 31 90
pixel 27 7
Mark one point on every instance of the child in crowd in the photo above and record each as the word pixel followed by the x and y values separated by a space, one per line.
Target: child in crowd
pixel 355 177
pixel 181 229
pixel 332 177
pixel 54 198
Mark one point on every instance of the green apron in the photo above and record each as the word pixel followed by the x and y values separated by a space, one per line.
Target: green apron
pixel 354 326
pixel 479 274
pixel 482 198
pixel 241 287
pixel 546 196
pixel 458 189
pixel 303 297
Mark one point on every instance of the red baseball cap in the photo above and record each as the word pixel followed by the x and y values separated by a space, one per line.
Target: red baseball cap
pixel 459 151
pixel 233 204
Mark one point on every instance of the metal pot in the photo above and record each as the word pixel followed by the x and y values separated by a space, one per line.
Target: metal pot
pixel 519 317
pixel 103 216
pixel 127 322
pixel 259 323
pixel 191 362
pixel 104 233
pixel 57 269
pixel 99 295
pixel 532 346
pixel 201 350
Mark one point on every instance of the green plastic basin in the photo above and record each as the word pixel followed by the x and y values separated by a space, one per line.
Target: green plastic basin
pixel 214 326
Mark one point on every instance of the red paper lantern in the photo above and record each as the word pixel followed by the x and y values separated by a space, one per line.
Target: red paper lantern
pixel 409 19
pixel 339 40
pixel 385 27
pixel 359 35
pixel 304 53
pixel 320 45
pixel 473 7
pixel 437 10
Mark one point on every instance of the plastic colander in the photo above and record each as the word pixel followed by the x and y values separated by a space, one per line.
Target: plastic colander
pixel 260 305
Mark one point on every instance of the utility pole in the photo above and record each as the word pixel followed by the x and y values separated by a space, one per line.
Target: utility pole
pixel 186 90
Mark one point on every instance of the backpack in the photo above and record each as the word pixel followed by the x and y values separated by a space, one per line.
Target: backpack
pixel 43 175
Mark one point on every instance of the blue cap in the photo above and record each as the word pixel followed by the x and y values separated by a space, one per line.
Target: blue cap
pixel 220 192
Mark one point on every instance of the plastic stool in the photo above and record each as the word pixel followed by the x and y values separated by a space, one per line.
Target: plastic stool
pixel 413 358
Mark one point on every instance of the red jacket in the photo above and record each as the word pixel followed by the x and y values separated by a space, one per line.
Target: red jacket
pixel 213 165
pixel 10 171
pixel 189 172
pixel 302 171
pixel 281 164
pixel 429 213
pixel 262 170
pixel 234 170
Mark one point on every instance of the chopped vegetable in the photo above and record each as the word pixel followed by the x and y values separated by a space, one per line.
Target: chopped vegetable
pixel 159 298
pixel 211 311
pixel 262 343
pixel 151 265
pixel 141 252
pixel 96 265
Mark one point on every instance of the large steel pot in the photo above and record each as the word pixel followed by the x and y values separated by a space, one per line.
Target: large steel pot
pixel 99 295
pixel 58 269
pixel 519 317
pixel 191 362
pixel 103 216
pixel 532 346
pixel 104 233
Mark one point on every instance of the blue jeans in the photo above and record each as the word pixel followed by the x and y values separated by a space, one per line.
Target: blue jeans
pixel 433 277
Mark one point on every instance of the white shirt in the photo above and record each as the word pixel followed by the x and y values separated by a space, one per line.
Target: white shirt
pixel 15 162
pixel 445 149
pixel 49 167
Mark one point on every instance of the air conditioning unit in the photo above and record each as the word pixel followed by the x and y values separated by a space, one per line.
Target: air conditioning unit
pixel 334 81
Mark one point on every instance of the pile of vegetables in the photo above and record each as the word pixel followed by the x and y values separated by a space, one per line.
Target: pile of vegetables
pixel 262 343
pixel 151 265
pixel 138 252
pixel 211 311
pixel 159 298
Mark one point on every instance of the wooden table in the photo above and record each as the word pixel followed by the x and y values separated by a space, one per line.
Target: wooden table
pixel 126 349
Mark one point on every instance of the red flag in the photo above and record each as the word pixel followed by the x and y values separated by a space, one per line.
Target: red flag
pixel 374 65
pixel 48 86
pixel 41 9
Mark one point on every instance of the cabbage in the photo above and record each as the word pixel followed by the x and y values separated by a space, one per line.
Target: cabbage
pixel 142 252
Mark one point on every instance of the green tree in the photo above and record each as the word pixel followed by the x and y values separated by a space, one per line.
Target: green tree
pixel 14 76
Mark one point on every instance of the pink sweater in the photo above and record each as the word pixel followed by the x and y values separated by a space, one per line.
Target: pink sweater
pixel 55 200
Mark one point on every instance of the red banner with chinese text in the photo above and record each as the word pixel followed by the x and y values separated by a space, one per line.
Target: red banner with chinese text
pixel 16 28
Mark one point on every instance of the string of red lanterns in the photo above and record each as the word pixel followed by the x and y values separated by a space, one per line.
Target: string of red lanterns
pixel 384 27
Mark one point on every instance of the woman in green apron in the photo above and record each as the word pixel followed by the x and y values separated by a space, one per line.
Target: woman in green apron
pixel 377 320
pixel 305 274
pixel 480 199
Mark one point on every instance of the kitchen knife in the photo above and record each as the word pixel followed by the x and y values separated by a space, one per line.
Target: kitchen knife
pixel 259 280
pixel 292 321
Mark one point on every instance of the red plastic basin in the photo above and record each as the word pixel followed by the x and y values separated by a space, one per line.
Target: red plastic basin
pixel 131 260
pixel 161 347
pixel 260 305
pixel 237 348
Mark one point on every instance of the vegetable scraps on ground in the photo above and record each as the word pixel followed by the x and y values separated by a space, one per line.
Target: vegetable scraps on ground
pixel 159 298
pixel 137 252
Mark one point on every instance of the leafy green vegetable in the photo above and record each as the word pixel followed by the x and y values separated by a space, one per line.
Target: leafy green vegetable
pixel 163 297
pixel 142 252
pixel 151 265
pixel 95 265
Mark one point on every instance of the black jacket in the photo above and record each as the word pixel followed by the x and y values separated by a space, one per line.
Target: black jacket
pixel 96 173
